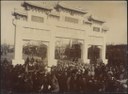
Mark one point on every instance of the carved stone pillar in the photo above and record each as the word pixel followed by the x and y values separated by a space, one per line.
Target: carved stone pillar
pixel 85 53
pixel 51 49
pixel 18 47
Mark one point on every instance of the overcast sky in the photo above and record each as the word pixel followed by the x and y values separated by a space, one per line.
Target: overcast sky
pixel 113 12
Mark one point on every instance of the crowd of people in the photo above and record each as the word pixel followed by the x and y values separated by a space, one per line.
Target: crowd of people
pixel 66 76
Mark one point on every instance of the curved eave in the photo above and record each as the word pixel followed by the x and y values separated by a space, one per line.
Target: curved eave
pixel 17 13
pixel 95 19
pixel 35 5
pixel 80 11
pixel 87 21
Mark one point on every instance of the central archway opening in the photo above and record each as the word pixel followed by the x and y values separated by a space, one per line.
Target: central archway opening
pixel 94 54
pixel 68 49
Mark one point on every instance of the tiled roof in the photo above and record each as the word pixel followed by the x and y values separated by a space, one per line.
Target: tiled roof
pixel 21 12
pixel 87 21
pixel 49 6
pixel 94 18
pixel 77 9
pixel 39 4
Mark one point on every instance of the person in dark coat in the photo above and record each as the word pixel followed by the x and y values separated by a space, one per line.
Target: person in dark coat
pixel 54 83
pixel 110 83
pixel 45 83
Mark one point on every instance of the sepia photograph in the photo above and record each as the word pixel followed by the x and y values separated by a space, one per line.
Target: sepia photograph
pixel 63 47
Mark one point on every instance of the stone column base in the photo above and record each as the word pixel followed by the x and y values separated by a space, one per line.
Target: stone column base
pixel 15 62
pixel 52 63
pixel 87 61
pixel 105 61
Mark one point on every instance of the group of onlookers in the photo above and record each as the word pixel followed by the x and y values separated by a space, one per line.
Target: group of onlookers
pixel 66 76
